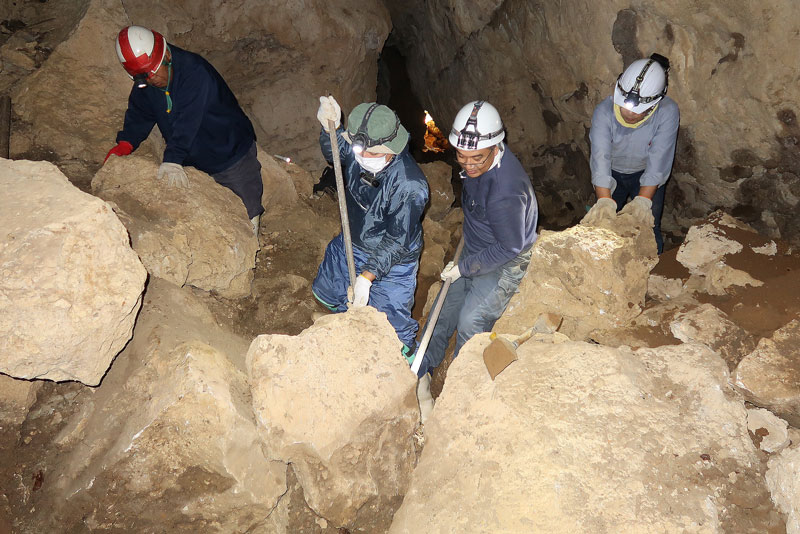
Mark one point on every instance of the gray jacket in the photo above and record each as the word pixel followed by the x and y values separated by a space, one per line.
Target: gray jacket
pixel 650 147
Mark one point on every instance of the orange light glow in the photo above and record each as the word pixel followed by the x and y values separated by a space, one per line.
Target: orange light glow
pixel 435 141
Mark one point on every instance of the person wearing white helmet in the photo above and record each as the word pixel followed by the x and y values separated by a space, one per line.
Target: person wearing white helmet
pixel 500 218
pixel 633 138
pixel 196 112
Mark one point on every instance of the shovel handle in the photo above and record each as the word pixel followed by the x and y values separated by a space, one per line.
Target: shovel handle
pixel 341 192
pixel 434 316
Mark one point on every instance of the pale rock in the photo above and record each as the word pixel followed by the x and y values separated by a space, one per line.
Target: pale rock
pixel 603 440
pixel 596 278
pixel 704 250
pixel 711 327
pixel 662 288
pixel 770 432
pixel 339 403
pixel 770 249
pixel 199 236
pixel 70 285
pixel 170 438
pixel 279 185
pixel 769 376
pixel 783 480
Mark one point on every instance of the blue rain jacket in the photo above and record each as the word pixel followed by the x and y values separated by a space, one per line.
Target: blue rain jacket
pixel 206 128
pixel 385 221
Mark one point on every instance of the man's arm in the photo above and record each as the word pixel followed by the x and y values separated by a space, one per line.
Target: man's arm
pixel 139 119
pixel 661 153
pixel 190 102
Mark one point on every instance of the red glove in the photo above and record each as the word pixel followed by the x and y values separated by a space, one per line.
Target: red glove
pixel 123 148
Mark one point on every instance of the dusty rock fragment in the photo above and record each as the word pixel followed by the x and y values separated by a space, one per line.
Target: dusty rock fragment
pixel 339 403
pixel 769 376
pixel 711 327
pixel 783 480
pixel 70 285
pixel 769 432
pixel 199 236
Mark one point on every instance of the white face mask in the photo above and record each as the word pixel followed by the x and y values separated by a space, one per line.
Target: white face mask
pixel 373 165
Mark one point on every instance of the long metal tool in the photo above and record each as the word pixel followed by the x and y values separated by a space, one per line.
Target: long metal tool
pixel 348 243
pixel 434 316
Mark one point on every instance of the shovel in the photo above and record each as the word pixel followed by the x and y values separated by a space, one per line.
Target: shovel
pixel 348 243
pixel 501 352
pixel 434 316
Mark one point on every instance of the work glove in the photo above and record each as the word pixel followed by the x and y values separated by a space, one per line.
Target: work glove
pixel 451 272
pixel 123 148
pixel 361 291
pixel 642 210
pixel 174 173
pixel 604 209
pixel 329 110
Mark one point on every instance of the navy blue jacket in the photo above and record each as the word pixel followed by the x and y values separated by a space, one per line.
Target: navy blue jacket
pixel 500 216
pixel 385 221
pixel 206 128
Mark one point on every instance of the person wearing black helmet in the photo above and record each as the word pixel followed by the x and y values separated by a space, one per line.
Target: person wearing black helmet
pixel 197 114
pixel 633 138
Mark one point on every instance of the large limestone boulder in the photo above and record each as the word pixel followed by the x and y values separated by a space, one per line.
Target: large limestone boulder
pixel 168 441
pixel 338 402
pixel 199 236
pixel 783 480
pixel 575 437
pixel 596 278
pixel 769 376
pixel 70 285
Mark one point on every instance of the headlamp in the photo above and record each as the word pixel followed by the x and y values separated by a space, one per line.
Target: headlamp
pixel 140 80
pixel 632 97
pixel 469 136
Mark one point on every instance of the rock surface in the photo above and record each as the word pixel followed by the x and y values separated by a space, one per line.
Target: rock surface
pixel 169 442
pixel 199 236
pixel 70 285
pixel 769 432
pixel 709 326
pixel 769 376
pixel 596 278
pixel 339 403
pixel 783 480
pixel 603 440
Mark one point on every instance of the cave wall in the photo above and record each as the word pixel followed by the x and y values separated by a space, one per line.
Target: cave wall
pixel 277 57
pixel 546 65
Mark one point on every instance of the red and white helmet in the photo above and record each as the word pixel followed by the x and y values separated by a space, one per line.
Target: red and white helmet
pixel 141 51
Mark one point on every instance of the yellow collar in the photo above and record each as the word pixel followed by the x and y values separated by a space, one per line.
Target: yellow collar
pixel 620 120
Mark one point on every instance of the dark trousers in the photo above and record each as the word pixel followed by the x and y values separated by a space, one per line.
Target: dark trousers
pixel 244 179
pixel 628 188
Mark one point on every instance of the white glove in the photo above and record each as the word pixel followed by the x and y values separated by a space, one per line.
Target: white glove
pixel 176 176
pixel 329 110
pixel 451 272
pixel 603 209
pixel 642 210
pixel 361 291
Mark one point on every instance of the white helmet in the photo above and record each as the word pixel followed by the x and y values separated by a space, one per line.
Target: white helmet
pixel 477 126
pixel 643 84
pixel 141 51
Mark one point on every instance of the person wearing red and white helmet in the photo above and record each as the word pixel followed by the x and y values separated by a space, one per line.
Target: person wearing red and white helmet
pixel 633 138
pixel 196 112
pixel 500 218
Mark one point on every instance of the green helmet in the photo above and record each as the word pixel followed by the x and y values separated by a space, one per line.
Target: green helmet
pixel 376 128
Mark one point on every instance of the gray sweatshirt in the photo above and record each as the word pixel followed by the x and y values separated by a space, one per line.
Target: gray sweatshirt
pixel 650 147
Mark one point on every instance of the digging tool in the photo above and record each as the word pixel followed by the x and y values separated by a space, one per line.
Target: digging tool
pixel 501 352
pixel 348 243
pixel 434 316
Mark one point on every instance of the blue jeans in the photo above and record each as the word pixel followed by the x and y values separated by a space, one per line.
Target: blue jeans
pixel 628 188
pixel 473 305
pixel 392 294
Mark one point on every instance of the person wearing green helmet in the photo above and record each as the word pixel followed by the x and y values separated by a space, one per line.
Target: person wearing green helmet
pixel 386 194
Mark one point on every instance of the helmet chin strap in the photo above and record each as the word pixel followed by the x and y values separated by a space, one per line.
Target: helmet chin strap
pixel 169 80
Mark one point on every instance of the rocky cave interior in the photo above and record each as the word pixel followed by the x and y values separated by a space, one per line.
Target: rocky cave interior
pixel 646 421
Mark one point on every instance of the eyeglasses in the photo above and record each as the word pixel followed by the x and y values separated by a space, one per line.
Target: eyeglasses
pixel 462 160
